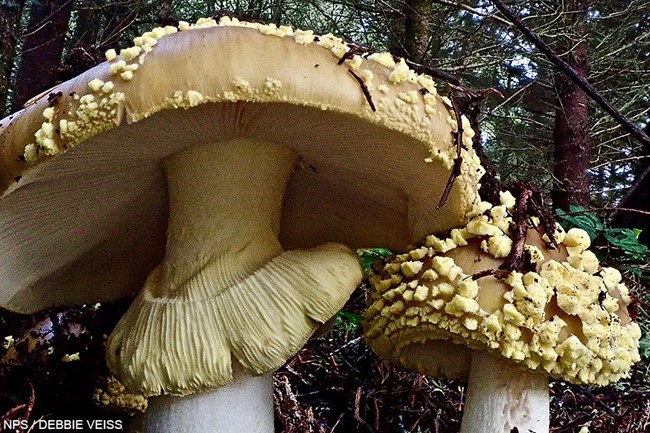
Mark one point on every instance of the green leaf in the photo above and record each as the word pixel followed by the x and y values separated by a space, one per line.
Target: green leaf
pixel 586 221
pixel 627 240
pixel 370 255
pixel 644 346
pixel 353 318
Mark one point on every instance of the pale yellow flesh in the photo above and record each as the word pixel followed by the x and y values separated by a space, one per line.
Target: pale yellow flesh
pixel 225 290
pixel 225 201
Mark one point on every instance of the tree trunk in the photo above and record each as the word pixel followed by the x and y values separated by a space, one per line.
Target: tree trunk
pixel 42 49
pixel 9 19
pixel 410 30
pixel 416 29
pixel 571 135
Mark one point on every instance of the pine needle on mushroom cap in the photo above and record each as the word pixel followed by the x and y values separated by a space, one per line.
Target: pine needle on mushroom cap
pixel 566 319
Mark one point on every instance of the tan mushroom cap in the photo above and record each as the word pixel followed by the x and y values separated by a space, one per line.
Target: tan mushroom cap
pixel 84 208
pixel 567 319
pixel 116 181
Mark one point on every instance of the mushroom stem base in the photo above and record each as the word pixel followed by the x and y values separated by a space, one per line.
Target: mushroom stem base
pixel 246 405
pixel 502 396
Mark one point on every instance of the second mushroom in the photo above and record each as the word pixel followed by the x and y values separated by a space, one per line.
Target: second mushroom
pixel 443 309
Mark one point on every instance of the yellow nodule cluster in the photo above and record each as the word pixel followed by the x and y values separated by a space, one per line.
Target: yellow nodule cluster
pixel 567 318
pixel 113 396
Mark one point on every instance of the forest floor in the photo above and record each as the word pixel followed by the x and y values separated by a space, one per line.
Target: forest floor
pixel 337 384
pixel 334 385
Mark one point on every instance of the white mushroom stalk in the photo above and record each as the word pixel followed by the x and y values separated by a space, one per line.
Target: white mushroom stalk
pixel 218 411
pixel 502 397
pixel 225 203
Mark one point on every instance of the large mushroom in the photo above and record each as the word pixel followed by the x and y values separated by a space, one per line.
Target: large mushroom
pixel 222 167
pixel 445 309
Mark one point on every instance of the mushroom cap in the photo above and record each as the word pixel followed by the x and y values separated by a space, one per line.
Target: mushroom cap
pixel 566 318
pixel 84 204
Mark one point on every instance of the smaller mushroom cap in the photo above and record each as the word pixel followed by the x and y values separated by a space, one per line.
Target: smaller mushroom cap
pixel 566 318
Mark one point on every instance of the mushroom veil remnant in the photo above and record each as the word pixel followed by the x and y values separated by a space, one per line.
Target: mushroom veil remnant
pixel 443 310
pixel 222 172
